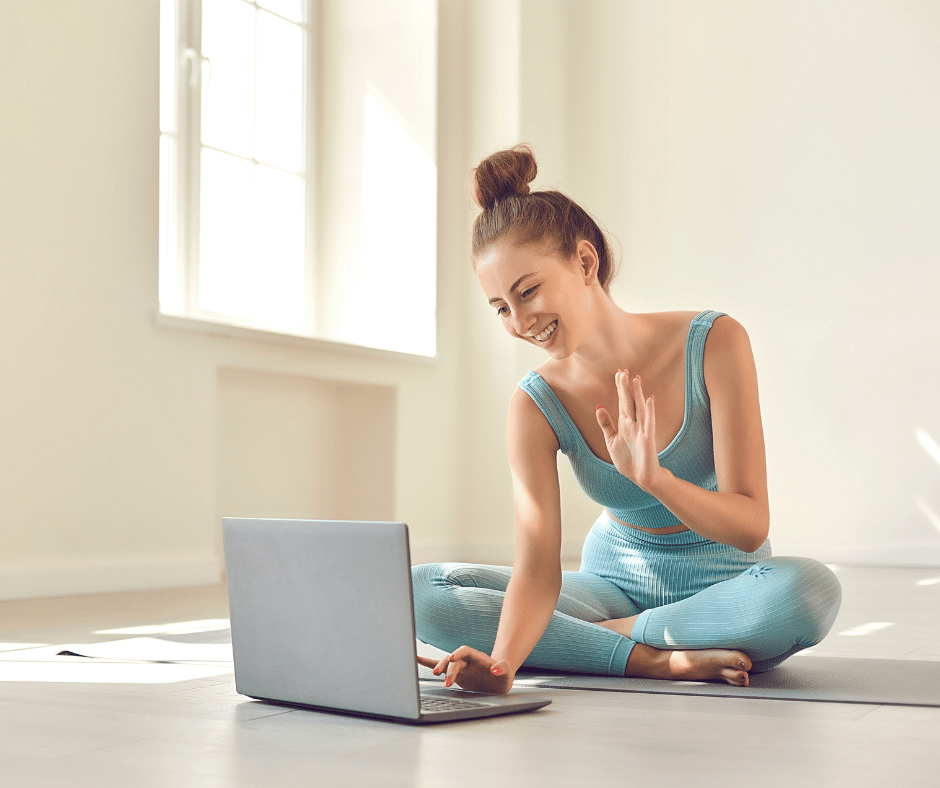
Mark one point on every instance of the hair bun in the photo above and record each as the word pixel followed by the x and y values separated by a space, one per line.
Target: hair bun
pixel 506 173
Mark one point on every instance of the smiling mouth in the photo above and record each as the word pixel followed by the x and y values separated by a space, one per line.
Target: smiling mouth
pixel 549 330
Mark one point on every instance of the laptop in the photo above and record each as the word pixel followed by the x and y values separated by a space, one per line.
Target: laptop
pixel 323 617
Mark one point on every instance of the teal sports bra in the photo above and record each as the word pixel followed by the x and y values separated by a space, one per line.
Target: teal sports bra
pixel 689 456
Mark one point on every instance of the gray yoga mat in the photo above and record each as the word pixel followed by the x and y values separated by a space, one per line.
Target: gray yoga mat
pixel 896 682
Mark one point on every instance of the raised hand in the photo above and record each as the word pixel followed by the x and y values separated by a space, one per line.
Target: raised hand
pixel 632 440
pixel 472 670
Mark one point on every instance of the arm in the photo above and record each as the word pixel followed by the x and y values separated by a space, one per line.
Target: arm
pixel 536 576
pixel 535 583
pixel 738 514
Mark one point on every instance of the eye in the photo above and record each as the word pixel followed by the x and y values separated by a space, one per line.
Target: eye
pixel 529 291
pixel 503 310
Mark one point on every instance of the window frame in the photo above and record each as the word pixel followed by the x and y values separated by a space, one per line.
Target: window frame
pixel 192 69
pixel 326 280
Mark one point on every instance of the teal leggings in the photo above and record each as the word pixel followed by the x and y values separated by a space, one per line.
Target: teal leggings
pixel 689 592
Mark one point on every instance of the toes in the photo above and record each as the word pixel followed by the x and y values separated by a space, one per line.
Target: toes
pixel 737 678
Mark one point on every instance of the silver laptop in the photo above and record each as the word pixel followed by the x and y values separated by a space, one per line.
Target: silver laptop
pixel 322 616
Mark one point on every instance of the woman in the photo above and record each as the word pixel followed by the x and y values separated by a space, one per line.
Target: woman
pixel 659 416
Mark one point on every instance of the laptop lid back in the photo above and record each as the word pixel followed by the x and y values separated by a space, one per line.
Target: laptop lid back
pixel 322 614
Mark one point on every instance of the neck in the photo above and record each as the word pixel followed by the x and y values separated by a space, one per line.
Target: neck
pixel 615 341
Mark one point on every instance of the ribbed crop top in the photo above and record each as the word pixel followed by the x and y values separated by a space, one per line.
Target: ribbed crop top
pixel 689 456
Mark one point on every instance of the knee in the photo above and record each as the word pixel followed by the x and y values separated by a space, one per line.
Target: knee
pixel 430 578
pixel 813 595
pixel 423 578
pixel 446 598
pixel 433 585
pixel 426 585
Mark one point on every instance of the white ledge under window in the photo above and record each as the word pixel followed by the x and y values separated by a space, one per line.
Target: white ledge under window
pixel 299 341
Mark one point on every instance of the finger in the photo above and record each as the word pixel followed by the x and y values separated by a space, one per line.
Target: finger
pixel 428 662
pixel 453 669
pixel 625 396
pixel 651 416
pixel 500 668
pixel 605 422
pixel 441 665
pixel 636 388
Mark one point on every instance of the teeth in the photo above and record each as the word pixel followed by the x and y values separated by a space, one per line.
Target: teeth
pixel 549 330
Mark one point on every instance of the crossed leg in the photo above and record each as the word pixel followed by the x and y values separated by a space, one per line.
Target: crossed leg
pixel 749 623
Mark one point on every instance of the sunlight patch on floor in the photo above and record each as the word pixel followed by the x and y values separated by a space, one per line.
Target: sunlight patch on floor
pixel 179 628
pixel 867 629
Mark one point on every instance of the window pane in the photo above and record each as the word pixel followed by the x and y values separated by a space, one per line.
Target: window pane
pixel 252 241
pixel 289 9
pixel 280 103
pixel 228 85
pixel 226 247
pixel 279 247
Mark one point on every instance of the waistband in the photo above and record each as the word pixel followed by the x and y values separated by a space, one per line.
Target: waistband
pixel 654 516
pixel 606 523
pixel 608 529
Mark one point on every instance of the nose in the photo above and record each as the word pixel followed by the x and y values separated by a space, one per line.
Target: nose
pixel 522 321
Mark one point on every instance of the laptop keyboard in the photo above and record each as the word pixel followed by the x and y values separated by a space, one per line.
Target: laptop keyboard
pixel 430 704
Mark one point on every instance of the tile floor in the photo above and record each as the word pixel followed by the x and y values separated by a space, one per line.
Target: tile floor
pixel 68 721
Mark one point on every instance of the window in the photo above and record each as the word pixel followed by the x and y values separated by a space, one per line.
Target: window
pixel 298 176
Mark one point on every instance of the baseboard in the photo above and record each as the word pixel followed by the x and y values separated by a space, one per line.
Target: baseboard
pixel 70 578
pixel 871 554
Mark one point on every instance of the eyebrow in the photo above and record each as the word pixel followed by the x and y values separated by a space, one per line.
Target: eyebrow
pixel 514 286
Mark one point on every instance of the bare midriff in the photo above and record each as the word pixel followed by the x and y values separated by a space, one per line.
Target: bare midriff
pixel 672 529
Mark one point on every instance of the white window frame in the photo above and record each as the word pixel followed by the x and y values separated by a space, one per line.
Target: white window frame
pixel 322 326
pixel 192 71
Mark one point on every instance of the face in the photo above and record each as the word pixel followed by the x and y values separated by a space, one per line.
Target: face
pixel 540 296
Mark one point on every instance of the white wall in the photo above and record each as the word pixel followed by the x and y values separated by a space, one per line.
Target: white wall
pixel 775 160
pixel 779 161
pixel 111 425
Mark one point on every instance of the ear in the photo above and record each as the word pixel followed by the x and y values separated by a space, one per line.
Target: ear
pixel 587 257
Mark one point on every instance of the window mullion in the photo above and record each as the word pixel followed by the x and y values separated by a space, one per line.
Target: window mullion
pixel 311 289
pixel 191 152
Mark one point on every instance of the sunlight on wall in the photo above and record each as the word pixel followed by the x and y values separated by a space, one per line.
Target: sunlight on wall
pixel 929 513
pixel 395 308
pixel 929 444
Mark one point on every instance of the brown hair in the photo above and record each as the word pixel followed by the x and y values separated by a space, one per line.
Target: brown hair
pixel 511 210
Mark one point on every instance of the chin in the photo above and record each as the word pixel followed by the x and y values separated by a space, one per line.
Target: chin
pixel 557 352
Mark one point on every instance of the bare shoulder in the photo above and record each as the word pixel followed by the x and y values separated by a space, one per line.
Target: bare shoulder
pixel 728 359
pixel 726 335
pixel 527 429
pixel 533 456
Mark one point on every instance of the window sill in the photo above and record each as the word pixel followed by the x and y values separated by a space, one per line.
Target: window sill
pixel 299 341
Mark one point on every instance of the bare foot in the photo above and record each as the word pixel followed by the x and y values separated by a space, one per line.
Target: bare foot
pixel 709 664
